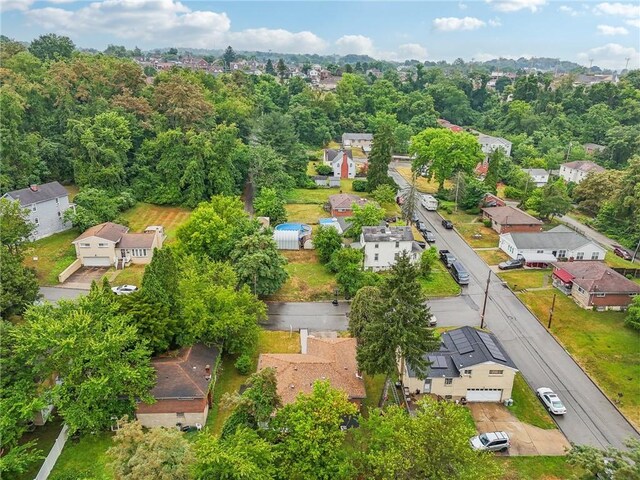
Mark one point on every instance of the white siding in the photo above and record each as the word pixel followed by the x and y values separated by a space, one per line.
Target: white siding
pixel 383 256
pixel 589 251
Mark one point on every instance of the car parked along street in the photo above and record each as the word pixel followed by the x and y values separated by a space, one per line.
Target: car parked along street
pixel 551 401
pixel 447 224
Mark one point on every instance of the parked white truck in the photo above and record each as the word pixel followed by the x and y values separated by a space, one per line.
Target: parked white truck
pixel 429 202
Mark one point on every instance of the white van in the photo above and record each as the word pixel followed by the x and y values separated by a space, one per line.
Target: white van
pixel 429 202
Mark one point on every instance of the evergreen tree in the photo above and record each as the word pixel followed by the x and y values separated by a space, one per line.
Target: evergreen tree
pixel 380 158
pixel 364 308
pixel 228 57
pixel 411 201
pixel 495 161
pixel 269 68
pixel 281 68
pixel 400 331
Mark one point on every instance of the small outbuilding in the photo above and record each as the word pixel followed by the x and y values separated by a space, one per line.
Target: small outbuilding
pixel 286 239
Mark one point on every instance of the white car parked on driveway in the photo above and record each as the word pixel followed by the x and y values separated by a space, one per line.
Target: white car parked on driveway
pixel 124 289
pixel 551 401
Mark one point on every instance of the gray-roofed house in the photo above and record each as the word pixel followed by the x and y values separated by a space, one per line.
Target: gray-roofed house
pixel 539 176
pixel 326 181
pixel 543 248
pixel 110 244
pixel 511 219
pixel 470 364
pixel 182 392
pixel 46 205
pixel 382 245
pixel 358 140
pixel 577 171
pixel 490 144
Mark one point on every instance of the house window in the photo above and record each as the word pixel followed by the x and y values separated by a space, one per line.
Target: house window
pixel 467 372
pixel 539 251
pixel 36 221
pixel 496 372
pixel 57 201
pixel 375 257
pixel 139 252
pixel 33 208
pixel 397 244
pixel 580 289
pixel 594 256
pixel 85 245
pixel 180 415
pixel 103 245
pixel 376 245
pixel 562 254
pixel 580 256
pixel 601 294
pixel 59 214
pixel 396 256
pixel 448 381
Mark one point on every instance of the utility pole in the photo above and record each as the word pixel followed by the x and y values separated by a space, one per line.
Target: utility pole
pixel 553 304
pixel 457 187
pixel 636 252
pixel 484 305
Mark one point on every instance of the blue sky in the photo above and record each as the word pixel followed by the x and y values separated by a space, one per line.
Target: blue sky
pixel 607 32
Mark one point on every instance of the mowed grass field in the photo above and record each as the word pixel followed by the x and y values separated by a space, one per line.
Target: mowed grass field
pixel 492 257
pixel 308 281
pixel 423 184
pixel 440 283
pixel 50 256
pixel 600 342
pixel 522 279
pixel 144 214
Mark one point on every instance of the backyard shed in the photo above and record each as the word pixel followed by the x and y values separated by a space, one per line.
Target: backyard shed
pixel 287 239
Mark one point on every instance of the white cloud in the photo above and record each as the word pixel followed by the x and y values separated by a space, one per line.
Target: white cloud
pixel 609 30
pixel 411 51
pixel 619 9
pixel 516 5
pixel 357 44
pixel 451 24
pixel 612 55
pixel 495 22
pixel 9 5
pixel 635 22
pixel 568 10
pixel 170 22
pixel 462 6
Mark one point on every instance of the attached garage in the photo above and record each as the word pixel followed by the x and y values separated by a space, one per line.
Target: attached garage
pixel 96 261
pixel 484 394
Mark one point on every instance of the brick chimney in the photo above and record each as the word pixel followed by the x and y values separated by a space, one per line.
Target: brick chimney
pixel 207 372
pixel 33 187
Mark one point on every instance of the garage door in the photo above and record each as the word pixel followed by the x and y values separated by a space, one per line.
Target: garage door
pixel 97 262
pixel 484 395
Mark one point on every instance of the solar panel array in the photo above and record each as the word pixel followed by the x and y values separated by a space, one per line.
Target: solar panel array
pixel 461 342
pixel 491 346
pixel 437 361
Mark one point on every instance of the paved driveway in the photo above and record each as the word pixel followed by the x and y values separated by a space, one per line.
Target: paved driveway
pixel 525 439
pixel 82 279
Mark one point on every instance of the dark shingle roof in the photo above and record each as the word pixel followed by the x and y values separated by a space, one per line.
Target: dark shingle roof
pixel 47 191
pixel 357 136
pixel 462 348
pixel 108 231
pixel 387 234
pixel 137 240
pixel 559 237
pixel 510 216
pixel 596 276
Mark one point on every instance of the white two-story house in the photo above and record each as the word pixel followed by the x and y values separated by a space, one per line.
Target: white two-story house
pixel 382 245
pixel 577 171
pixel 539 176
pixel 46 205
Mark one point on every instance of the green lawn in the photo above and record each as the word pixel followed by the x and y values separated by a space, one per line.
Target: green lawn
pixel 229 380
pixel 440 283
pixel 477 235
pixel 321 195
pixel 458 217
pixel 45 436
pixel 305 212
pixel 492 257
pixel 522 279
pixel 144 214
pixel 539 468
pixel 527 407
pixel 54 254
pixel 373 384
pixel 308 281
pixel 84 458
pixel 615 261
pixel 600 342
pixel 132 275
pixel 422 184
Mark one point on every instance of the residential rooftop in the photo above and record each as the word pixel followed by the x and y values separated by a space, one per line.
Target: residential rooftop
pixel 596 276
pixel 345 200
pixel 387 234
pixel 38 193
pixel 509 215
pixel 559 237
pixel 584 166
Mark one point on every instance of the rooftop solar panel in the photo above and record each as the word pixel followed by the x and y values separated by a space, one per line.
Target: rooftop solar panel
pixel 491 346
pixel 437 361
pixel 461 342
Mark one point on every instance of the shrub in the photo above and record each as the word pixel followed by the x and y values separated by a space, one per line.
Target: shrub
pixel 448 209
pixel 244 364
pixel 323 169
pixel 359 186
pixel 514 193
pixel 487 222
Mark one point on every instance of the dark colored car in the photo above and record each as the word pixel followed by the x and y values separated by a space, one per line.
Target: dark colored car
pixel 414 218
pixel 447 257
pixel 512 264
pixel 447 224
pixel 428 236
pixel 420 226
pixel 459 273
pixel 621 252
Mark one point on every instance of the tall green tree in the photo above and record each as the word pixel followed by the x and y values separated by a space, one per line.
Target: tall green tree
pixel 229 56
pixel 258 264
pixel 365 307
pixel 18 284
pixel 15 227
pixel 214 228
pixel 242 455
pixel 610 462
pixel 52 47
pixel 400 333
pixel 281 68
pixel 368 215
pixel 633 314
pixel 444 153
pixel 326 241
pixel 307 435
pixel 496 158
pixel 379 158
pixel 105 366
pixel 433 443
pixel 269 204
pixel 159 453
pixel 410 200
pixel 269 70
pixel 551 200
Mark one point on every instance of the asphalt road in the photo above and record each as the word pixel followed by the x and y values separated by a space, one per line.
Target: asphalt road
pixel 591 418
pixel 53 294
